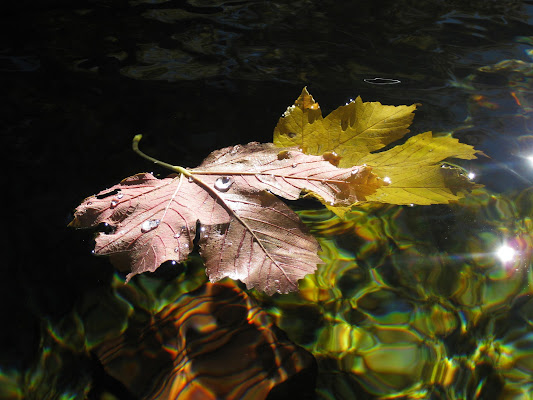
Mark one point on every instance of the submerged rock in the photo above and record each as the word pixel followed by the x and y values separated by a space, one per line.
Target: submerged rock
pixel 212 343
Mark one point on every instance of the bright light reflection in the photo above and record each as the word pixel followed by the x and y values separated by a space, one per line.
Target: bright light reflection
pixel 505 253
pixel 471 175
pixel 530 159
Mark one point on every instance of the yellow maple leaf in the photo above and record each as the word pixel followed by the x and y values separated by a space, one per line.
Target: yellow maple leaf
pixel 351 131
pixel 414 171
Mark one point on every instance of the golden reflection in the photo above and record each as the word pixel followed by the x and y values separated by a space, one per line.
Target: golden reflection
pixel 407 317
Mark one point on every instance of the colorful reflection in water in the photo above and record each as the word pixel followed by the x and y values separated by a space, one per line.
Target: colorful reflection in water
pixel 211 343
pixel 407 317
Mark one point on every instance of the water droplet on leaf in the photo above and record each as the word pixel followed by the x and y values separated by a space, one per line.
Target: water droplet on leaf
pixel 223 183
pixel 150 224
pixel 114 203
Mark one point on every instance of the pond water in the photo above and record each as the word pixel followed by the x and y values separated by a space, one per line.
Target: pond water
pixel 412 302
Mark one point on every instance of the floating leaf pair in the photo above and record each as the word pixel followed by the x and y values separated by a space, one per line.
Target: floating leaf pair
pixel 229 202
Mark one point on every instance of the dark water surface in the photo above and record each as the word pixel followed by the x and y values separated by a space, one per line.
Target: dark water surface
pixel 412 302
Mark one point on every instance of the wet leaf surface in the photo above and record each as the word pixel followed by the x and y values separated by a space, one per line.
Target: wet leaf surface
pixel 244 231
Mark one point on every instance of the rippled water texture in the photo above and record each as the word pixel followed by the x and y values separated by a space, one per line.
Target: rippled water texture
pixel 404 316
pixel 423 302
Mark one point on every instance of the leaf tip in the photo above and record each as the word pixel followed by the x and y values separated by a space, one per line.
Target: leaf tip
pixel 305 101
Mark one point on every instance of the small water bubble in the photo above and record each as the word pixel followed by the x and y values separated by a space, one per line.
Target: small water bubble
pixel 386 179
pixel 176 249
pixel 202 229
pixel 294 165
pixel 186 246
pixel 223 183
pixel 177 235
pixel 382 81
pixel 149 225
pixel 191 179
pixel 354 171
pixel 120 195
pixel 289 110
pixel 114 203
pixel 276 281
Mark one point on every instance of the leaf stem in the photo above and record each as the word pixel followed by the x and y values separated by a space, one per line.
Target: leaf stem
pixel 176 168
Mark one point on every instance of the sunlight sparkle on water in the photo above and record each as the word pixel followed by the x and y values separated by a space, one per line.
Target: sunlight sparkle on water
pixel 505 253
